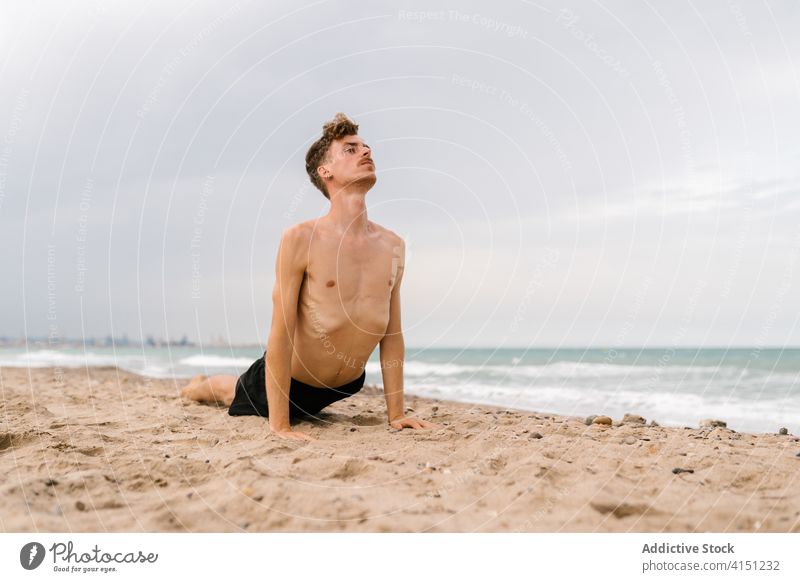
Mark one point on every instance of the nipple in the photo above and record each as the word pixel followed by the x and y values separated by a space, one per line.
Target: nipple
pixel 330 283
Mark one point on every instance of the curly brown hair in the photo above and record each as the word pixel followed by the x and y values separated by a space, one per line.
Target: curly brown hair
pixel 337 128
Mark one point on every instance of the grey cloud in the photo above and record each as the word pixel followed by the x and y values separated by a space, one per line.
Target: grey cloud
pixel 517 125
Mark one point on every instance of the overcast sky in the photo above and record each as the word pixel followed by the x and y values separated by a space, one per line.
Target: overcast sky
pixel 564 174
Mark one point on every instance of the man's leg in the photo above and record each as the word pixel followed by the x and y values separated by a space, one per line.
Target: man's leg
pixel 219 389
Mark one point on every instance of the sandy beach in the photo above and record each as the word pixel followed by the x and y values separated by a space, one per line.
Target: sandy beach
pixel 101 449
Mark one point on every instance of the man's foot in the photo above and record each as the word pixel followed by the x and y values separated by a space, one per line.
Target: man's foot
pixel 197 389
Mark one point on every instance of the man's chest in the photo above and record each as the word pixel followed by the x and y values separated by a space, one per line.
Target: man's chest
pixel 351 272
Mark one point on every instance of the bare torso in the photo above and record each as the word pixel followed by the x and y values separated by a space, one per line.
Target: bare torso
pixel 343 303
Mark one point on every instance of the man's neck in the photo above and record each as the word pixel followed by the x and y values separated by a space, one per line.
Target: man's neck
pixel 348 212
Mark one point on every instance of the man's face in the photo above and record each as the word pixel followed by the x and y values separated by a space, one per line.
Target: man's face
pixel 349 161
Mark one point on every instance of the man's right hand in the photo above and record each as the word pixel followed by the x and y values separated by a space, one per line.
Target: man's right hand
pixel 292 435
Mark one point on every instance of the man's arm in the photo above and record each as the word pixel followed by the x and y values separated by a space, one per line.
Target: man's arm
pixel 393 348
pixel 290 267
pixel 392 356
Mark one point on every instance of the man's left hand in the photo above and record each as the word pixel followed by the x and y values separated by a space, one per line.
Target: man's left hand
pixel 411 422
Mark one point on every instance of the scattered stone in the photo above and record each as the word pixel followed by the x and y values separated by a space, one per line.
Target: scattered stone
pixel 783 430
pixel 590 419
pixel 630 440
pixel 80 506
pixel 51 482
pixel 678 470
pixel 711 423
pixel 535 435
pixel 654 423
pixel 633 419
pixel 353 429
pixel 166 456
pixel 606 420
pixel 797 455
pixel 435 408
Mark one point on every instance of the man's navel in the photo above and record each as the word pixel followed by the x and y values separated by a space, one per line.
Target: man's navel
pixel 330 283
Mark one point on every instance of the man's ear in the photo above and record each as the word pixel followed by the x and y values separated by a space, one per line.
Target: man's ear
pixel 323 172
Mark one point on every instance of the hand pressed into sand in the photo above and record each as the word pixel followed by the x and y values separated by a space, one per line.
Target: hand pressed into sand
pixel 412 422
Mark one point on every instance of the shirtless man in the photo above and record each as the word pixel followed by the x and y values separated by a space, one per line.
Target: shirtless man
pixel 336 297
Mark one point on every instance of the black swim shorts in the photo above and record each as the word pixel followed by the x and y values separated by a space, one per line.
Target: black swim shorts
pixel 304 400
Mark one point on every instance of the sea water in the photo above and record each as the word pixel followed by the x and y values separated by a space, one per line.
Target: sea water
pixel 752 389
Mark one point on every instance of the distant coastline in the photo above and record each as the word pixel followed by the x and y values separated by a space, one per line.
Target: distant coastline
pixel 46 342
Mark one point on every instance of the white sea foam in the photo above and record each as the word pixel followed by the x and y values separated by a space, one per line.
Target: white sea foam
pixel 668 408
pixel 48 358
pixel 551 370
pixel 209 361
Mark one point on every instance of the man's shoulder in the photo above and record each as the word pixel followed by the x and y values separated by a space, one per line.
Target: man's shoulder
pixel 295 241
pixel 387 234
pixel 298 233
